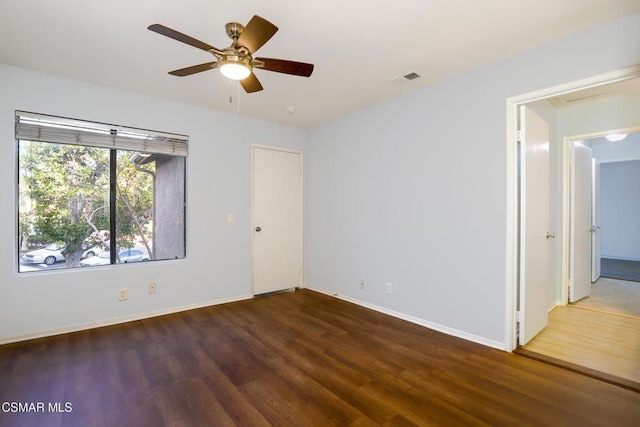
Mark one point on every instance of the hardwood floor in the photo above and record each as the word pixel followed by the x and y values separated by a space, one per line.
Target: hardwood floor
pixel 601 342
pixel 598 335
pixel 293 359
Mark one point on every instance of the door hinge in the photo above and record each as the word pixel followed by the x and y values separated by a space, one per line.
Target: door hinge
pixel 518 316
pixel 519 136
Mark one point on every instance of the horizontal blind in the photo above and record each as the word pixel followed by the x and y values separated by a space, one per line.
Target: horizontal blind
pixel 45 128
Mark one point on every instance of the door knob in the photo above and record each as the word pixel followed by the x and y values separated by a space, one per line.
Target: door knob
pixel 258 229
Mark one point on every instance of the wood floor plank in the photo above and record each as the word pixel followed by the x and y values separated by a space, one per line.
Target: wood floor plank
pixel 480 402
pixel 417 405
pixel 203 404
pixel 599 341
pixel 237 405
pixel 295 358
pixel 282 404
pixel 285 362
pixel 539 398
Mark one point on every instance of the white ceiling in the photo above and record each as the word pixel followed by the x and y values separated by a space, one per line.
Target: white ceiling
pixel 356 45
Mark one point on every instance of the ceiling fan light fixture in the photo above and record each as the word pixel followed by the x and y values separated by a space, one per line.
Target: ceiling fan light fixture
pixel 235 68
pixel 615 137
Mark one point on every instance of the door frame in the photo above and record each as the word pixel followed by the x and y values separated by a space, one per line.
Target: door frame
pixel 513 215
pixel 253 225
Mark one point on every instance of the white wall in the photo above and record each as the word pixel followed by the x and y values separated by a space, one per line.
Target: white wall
pixel 414 190
pixel 218 263
pixel 620 210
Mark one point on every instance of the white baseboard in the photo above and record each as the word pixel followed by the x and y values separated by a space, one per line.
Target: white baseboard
pixel 119 320
pixel 435 326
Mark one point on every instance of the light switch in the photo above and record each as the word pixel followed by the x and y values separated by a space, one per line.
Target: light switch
pixel 230 219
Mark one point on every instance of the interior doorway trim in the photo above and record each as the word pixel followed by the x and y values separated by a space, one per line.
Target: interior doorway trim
pixel 512 223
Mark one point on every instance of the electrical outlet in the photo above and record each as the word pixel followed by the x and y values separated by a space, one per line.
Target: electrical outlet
pixel 362 284
pixel 153 288
pixel 389 287
pixel 122 294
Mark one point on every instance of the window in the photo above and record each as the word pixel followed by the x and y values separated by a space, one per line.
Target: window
pixel 96 194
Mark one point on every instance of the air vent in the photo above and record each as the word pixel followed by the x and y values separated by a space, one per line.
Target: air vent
pixel 406 79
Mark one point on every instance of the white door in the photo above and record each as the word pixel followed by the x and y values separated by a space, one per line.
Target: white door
pixel 595 227
pixel 582 222
pixel 277 219
pixel 534 228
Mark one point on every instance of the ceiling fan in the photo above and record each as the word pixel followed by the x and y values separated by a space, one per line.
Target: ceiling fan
pixel 236 62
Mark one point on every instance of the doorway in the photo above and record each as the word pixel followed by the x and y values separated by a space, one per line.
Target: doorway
pixel 515 316
pixel 604 84
pixel 612 242
pixel 615 238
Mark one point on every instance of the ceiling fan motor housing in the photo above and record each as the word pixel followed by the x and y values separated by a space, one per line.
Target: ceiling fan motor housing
pixel 234 30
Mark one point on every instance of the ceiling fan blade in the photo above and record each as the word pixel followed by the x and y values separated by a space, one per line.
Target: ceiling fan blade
pixel 251 84
pixel 176 35
pixel 256 33
pixel 194 69
pixel 288 67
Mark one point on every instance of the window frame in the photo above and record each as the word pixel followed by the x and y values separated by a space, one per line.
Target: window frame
pixel 49 129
